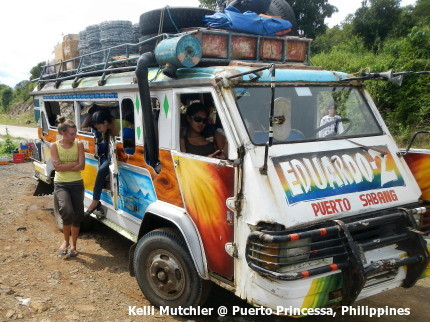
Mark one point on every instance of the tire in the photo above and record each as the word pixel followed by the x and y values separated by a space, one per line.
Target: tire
pixel 165 271
pixel 182 17
pixel 281 8
pixel 256 6
pixel 57 217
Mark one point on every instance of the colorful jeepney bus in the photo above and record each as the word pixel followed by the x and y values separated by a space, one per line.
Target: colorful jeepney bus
pixel 290 218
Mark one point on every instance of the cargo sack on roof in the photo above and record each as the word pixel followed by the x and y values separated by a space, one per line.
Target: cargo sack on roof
pixel 247 22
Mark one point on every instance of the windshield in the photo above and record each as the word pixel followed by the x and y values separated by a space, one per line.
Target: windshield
pixel 305 113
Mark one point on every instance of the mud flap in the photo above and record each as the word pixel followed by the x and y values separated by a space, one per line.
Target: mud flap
pixel 43 188
pixel 131 259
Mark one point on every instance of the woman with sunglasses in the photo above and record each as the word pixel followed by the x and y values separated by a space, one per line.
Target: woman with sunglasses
pixel 194 141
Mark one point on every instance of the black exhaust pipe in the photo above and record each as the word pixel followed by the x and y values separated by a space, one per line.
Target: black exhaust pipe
pixel 151 147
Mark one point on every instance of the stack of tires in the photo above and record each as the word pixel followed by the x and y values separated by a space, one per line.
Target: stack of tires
pixel 83 48
pixel 93 43
pixel 114 33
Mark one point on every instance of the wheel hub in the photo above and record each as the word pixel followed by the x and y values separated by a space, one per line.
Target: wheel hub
pixel 166 276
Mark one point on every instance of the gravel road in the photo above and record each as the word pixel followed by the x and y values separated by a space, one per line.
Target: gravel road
pixel 96 285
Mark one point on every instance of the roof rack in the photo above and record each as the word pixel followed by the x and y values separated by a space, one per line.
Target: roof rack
pixel 219 47
pixel 58 72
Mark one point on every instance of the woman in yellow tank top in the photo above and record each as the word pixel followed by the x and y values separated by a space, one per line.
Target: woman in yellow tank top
pixel 68 158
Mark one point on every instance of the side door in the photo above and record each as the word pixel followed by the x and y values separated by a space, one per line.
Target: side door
pixel 205 184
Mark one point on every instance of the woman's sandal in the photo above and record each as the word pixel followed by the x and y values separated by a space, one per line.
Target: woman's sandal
pixel 62 251
pixel 73 253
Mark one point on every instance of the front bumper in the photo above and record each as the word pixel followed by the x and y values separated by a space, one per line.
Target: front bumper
pixel 341 245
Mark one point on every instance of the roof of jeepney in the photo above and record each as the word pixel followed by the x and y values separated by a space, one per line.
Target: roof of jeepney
pixel 200 75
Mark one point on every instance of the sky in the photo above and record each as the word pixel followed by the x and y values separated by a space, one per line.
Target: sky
pixel 30 29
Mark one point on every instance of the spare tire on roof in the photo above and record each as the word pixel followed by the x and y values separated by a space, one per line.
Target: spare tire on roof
pixel 278 8
pixel 175 18
pixel 282 9
pixel 257 6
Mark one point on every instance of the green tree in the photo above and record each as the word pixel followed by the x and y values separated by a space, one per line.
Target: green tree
pixel 375 20
pixel 35 71
pixel 422 12
pixel 310 15
pixel 6 96
pixel 22 91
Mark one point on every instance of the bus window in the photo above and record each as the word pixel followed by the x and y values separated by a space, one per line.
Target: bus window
pixel 128 135
pixel 201 130
pixel 52 111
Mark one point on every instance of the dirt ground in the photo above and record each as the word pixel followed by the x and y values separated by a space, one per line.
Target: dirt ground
pixel 96 285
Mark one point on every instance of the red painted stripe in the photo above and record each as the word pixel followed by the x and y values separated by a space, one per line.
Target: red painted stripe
pixel 294 237
pixel 305 273
pixel 323 231
pixel 334 267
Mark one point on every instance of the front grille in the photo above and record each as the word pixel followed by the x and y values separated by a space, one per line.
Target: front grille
pixel 335 245
pixel 281 252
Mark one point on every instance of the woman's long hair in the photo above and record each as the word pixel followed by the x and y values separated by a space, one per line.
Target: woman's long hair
pixel 98 118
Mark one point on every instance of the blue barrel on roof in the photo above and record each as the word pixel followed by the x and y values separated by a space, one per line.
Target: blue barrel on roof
pixel 184 51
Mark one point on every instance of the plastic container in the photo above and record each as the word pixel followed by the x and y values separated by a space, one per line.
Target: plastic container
pixel 18 157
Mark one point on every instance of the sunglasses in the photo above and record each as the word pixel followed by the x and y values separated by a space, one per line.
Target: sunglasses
pixel 199 119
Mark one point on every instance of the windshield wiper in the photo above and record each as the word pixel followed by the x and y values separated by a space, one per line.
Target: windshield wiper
pixel 366 148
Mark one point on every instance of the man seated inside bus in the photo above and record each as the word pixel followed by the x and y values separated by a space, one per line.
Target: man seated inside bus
pixel 194 139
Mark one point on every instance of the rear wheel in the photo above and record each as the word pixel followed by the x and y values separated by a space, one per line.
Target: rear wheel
pixel 165 271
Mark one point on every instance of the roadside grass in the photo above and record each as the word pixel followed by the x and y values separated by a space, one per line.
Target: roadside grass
pixel 422 141
pixel 22 119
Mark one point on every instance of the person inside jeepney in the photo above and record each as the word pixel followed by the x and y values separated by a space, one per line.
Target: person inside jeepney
pixel 194 140
pixel 86 119
pixel 106 124
pixel 332 121
pixel 214 129
pixel 68 159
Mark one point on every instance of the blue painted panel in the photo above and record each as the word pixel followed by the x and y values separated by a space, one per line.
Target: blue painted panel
pixel 136 192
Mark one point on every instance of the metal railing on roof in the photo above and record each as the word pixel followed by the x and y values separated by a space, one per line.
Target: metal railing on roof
pixel 58 72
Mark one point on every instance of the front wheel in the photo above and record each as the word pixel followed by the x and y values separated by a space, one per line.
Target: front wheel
pixel 165 271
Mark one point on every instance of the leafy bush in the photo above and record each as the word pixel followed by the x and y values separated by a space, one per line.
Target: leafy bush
pixel 406 108
pixel 8 145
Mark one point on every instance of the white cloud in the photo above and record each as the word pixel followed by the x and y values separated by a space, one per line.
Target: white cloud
pixel 29 30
